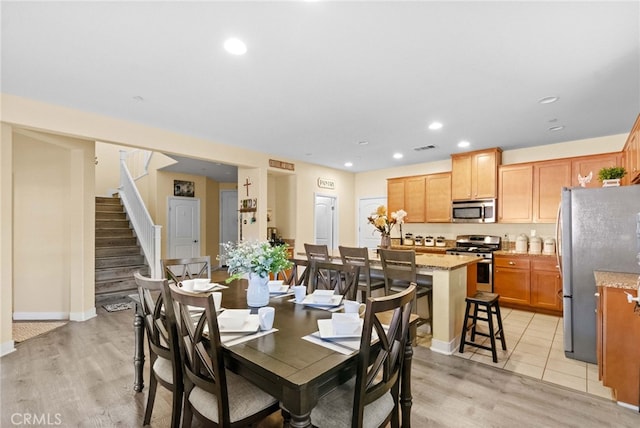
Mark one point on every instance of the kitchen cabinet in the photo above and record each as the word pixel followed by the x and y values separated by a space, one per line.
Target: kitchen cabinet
pixel 438 206
pixel 631 154
pixel 546 284
pixel 515 193
pixel 474 175
pixel 618 329
pixel 395 194
pixel 407 193
pixel 512 279
pixel 528 282
pixel 584 165
pixel 549 177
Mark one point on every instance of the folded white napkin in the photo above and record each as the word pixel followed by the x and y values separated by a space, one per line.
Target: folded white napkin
pixel 346 324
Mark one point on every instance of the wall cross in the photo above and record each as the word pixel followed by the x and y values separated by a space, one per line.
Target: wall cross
pixel 246 184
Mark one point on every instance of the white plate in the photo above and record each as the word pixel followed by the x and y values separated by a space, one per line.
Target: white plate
pixel 336 299
pixel 251 325
pixel 325 328
pixel 209 287
pixel 281 290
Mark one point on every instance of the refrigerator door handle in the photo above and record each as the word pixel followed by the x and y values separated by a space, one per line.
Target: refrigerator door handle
pixel 567 317
pixel 559 238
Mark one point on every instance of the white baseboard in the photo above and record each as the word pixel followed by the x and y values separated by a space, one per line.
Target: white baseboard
pixel 442 347
pixel 83 316
pixel 7 348
pixel 40 316
pixel 628 406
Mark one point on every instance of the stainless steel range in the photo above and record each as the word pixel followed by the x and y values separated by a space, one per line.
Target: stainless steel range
pixel 481 246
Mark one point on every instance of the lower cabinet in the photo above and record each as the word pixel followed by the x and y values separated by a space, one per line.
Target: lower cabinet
pixel 528 282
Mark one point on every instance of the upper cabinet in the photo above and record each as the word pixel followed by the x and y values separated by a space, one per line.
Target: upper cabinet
pixel 584 165
pixel 549 177
pixel 438 209
pixel 515 193
pixel 407 193
pixel 474 175
pixel 631 153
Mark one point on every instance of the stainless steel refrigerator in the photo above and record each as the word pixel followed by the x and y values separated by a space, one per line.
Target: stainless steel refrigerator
pixel 598 230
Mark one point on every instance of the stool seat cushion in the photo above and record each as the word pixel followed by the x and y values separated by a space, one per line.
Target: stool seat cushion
pixel 483 297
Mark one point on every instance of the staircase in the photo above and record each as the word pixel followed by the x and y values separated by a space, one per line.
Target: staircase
pixel 118 255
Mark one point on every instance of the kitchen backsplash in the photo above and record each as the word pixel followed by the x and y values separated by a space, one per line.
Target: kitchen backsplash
pixel 450 230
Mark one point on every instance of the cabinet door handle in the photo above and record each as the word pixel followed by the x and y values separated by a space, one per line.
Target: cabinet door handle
pixel 596 294
pixel 512 262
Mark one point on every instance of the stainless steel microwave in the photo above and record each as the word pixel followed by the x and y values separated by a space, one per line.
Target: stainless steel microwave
pixel 475 211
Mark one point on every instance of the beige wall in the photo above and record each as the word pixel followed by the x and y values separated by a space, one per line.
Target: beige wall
pixel 6 239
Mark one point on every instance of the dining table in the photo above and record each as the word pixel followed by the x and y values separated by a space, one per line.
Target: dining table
pixel 289 362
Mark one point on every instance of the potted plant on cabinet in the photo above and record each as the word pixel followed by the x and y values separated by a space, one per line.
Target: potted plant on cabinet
pixel 611 176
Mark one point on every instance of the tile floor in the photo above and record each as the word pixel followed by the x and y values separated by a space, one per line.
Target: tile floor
pixel 535 349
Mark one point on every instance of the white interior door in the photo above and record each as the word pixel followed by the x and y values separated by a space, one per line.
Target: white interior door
pixel 228 217
pixel 325 221
pixel 367 235
pixel 184 228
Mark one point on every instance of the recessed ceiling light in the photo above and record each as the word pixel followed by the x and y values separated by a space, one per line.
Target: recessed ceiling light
pixel 397 155
pixel 138 98
pixel 235 46
pixel 363 143
pixel 435 125
pixel 557 128
pixel 548 100
pixel 464 143
pixel 348 164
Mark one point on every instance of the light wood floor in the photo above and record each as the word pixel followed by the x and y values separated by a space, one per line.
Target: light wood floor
pixel 82 375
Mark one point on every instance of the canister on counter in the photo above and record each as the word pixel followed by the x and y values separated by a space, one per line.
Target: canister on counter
pixel 535 245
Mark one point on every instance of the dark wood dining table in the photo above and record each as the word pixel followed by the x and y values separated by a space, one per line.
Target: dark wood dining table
pixel 295 371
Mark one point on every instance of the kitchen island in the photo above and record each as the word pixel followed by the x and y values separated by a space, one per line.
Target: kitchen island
pixel 449 276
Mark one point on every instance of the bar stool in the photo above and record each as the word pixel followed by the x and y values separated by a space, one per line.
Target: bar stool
pixel 487 303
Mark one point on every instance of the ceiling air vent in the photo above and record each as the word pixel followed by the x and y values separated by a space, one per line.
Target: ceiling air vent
pixel 419 149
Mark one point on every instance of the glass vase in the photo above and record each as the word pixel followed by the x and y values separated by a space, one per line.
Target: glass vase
pixel 385 241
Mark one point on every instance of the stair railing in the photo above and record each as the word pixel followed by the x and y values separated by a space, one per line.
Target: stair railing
pixel 147 232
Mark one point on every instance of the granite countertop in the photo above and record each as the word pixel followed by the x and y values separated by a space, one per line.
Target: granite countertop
pixel 512 253
pixel 629 281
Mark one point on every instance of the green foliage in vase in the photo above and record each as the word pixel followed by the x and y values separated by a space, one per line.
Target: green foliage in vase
pixel 611 173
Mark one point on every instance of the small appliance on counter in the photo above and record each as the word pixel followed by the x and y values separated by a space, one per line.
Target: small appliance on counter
pixel 441 242
pixel 429 241
pixel 408 239
pixel 535 245
pixel 522 243
pixel 418 240
pixel 549 246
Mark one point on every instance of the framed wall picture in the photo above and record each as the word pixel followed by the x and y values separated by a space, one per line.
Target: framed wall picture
pixel 183 188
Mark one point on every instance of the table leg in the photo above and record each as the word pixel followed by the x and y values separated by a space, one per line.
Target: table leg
pixel 406 400
pixel 300 421
pixel 138 356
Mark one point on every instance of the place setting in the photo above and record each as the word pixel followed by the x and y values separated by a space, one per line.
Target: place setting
pixel 200 285
pixel 278 289
pixel 240 325
pixel 320 299
pixel 343 331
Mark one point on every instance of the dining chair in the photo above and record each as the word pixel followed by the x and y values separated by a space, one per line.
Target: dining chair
pixel 164 354
pixel 359 256
pixel 297 275
pixel 399 267
pixel 316 252
pixel 341 278
pixel 177 270
pixel 370 399
pixel 214 394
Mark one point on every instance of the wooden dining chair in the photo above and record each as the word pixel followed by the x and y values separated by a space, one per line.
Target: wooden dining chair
pixel 359 256
pixel 343 279
pixel 164 355
pixel 370 399
pixel 316 252
pixel 214 394
pixel 399 267
pixel 176 270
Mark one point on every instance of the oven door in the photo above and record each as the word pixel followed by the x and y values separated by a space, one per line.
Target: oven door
pixel 484 277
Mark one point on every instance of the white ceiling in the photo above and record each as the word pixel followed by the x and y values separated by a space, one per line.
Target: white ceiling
pixel 319 77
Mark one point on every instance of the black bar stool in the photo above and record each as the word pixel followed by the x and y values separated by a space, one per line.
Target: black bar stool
pixel 487 303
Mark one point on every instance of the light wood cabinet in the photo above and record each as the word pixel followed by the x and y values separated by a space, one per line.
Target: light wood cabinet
pixel 515 194
pixel 395 194
pixel 528 282
pixel 407 193
pixel 618 329
pixel 549 177
pixel 474 175
pixel 512 279
pixel 438 206
pixel 584 165
pixel 631 154
pixel 546 284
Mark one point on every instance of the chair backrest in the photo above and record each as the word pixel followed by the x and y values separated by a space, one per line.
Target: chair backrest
pixel 379 366
pixel 297 275
pixel 399 267
pixel 200 347
pixel 316 252
pixel 162 336
pixel 343 279
pixel 176 270
pixel 357 256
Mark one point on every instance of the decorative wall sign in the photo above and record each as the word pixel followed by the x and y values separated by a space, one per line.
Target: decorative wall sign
pixel 282 165
pixel 326 183
pixel 184 188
